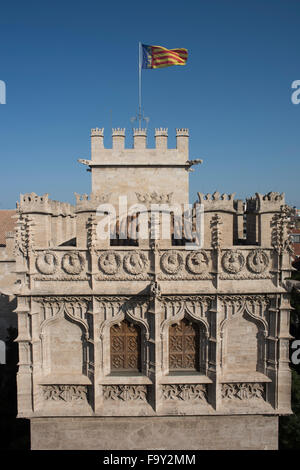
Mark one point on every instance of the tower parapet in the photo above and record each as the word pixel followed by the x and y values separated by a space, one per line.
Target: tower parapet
pixel 270 202
pixel 54 221
pixel 260 210
pixel 217 202
pixel 121 170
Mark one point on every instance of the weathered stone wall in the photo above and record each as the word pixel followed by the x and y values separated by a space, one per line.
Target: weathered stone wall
pixel 255 432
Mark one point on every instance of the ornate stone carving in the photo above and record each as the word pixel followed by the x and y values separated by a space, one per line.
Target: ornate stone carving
pixel 47 262
pixel 216 232
pixel 136 262
pixel 184 392
pixel 233 261
pixel 281 230
pixel 243 391
pixel 197 262
pixel 155 290
pixel 171 262
pixel 125 392
pixel 24 238
pixel 65 393
pixel 154 198
pixel 257 261
pixel 73 262
pixel 109 262
pixel 91 233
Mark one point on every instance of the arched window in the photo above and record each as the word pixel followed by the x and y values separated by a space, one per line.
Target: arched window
pixel 125 347
pixel 184 346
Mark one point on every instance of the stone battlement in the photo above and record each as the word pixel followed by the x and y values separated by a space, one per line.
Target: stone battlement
pixel 85 202
pixel 97 132
pixel 270 202
pixel 139 138
pixel 32 203
pixel 217 201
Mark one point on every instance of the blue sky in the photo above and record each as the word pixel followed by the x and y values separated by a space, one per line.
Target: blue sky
pixel 71 66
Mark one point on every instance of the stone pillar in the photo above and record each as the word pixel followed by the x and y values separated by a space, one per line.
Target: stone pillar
pixel 24 375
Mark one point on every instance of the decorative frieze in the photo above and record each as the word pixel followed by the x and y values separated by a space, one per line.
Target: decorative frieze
pixel 254 267
pixel 243 391
pixel 135 264
pixel 125 393
pixel 65 393
pixel 53 266
pixel 123 265
pixel 184 392
pixel 154 198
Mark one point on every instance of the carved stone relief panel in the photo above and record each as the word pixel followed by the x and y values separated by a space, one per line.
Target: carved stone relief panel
pixel 171 262
pixel 56 266
pixel 109 262
pixel 233 261
pixel 121 265
pixel 46 263
pixel 73 394
pixel 239 264
pixel 257 261
pixel 184 392
pixel 185 264
pixel 73 262
pixel 197 262
pixel 243 391
pixel 125 393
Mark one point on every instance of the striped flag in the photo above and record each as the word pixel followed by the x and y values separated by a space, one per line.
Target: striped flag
pixel 154 57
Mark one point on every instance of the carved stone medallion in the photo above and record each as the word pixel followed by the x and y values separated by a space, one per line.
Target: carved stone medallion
pixel 171 262
pixel 197 262
pixel 73 262
pixel 46 263
pixel 110 262
pixel 233 261
pixel 135 262
pixel 257 261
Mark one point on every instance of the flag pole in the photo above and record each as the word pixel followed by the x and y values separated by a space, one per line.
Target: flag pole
pixel 140 86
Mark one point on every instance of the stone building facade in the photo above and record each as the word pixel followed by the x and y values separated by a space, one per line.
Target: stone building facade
pixel 147 343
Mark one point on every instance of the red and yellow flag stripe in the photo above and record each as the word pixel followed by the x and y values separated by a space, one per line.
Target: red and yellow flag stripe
pixel 162 57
